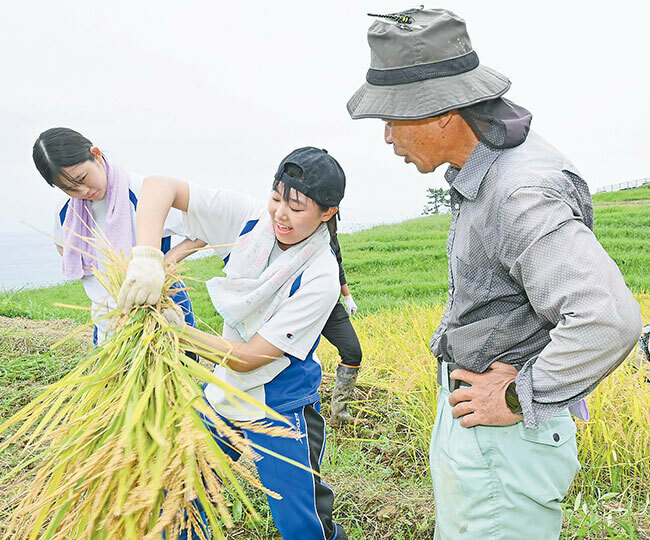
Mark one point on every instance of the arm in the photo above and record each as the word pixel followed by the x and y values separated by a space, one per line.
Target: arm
pixel 145 274
pixel 184 249
pixel 348 301
pixel 573 284
pixel 250 355
pixel 214 216
pixel 59 249
pixel 157 196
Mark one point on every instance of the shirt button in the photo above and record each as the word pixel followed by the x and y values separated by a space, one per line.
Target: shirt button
pixel 457 206
pixel 556 437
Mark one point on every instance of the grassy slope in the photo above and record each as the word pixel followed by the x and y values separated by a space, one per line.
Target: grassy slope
pixel 385 266
pixel 637 194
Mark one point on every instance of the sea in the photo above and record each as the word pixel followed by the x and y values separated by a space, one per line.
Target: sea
pixel 30 259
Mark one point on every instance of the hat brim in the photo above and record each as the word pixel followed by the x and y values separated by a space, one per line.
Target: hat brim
pixel 431 97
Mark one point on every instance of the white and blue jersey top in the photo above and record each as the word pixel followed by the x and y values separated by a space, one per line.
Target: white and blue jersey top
pixel 102 302
pixel 220 216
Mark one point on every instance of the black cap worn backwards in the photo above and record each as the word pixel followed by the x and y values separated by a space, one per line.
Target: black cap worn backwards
pixel 323 178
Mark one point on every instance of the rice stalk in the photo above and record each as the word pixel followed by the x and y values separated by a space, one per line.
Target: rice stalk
pixel 614 446
pixel 119 444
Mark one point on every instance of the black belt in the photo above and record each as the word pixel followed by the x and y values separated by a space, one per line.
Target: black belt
pixel 452 384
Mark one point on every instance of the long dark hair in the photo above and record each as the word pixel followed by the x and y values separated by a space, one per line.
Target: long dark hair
pixel 57 148
pixel 295 171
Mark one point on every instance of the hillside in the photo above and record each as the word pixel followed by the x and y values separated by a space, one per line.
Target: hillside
pixel 637 194
pixel 389 264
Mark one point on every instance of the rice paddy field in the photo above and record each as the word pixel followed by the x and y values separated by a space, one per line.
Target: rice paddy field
pixel 378 466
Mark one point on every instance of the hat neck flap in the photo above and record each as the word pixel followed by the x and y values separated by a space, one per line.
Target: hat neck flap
pixel 499 123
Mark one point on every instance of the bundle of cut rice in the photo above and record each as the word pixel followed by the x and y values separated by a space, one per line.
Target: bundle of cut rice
pixel 119 445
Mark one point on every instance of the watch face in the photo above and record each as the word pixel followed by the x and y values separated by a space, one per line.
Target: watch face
pixel 512 399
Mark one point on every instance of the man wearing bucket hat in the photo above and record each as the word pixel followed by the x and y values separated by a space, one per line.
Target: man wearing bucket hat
pixel 538 314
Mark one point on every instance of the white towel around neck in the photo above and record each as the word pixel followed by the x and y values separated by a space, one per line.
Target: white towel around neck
pixel 252 289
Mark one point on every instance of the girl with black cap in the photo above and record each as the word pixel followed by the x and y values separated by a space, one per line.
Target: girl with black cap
pixel 281 283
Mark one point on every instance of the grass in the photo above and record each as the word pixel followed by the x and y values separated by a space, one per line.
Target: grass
pixel 637 194
pixel 378 467
pixel 624 232
pixel 386 266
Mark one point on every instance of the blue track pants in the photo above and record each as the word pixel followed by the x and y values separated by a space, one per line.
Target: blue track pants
pixel 305 510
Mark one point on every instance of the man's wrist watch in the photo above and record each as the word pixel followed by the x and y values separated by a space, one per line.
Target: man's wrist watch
pixel 512 399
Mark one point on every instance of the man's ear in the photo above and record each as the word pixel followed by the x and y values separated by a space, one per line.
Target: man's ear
pixel 446 118
pixel 327 215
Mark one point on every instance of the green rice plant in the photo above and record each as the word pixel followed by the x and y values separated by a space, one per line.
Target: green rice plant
pixel 614 446
pixel 119 445
pixel 399 364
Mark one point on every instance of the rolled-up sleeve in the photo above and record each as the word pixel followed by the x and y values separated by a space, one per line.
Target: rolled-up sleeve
pixel 573 284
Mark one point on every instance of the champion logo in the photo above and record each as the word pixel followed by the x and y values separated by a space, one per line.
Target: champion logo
pixel 289 335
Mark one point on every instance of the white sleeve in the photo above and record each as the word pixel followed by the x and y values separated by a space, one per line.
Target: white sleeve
pixel 217 216
pixel 57 229
pixel 174 223
pixel 299 319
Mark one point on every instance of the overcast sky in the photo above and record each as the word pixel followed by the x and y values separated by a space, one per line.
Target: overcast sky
pixel 219 92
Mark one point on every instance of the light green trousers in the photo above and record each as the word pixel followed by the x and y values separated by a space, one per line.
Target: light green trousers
pixel 500 482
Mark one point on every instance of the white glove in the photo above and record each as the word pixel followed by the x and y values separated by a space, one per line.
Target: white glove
pixel 144 280
pixel 350 305
pixel 174 316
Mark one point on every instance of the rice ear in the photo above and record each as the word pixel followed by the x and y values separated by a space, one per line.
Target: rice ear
pixel 119 444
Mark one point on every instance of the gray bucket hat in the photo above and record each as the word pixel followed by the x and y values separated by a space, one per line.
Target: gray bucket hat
pixel 422 65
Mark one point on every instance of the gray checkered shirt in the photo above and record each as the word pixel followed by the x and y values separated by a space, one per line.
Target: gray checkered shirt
pixel 529 284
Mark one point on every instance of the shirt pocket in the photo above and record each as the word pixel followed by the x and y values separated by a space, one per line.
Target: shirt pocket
pixel 472 285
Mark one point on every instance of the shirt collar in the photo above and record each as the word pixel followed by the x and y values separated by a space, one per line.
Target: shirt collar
pixel 467 180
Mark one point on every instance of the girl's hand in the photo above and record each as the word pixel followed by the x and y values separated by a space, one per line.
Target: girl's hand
pixel 174 316
pixel 144 280
pixel 350 305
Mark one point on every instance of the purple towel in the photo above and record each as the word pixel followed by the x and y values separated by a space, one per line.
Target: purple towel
pixel 78 221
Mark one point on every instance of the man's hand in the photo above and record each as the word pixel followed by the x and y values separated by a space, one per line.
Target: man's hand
pixel 484 402
pixel 350 305
pixel 144 280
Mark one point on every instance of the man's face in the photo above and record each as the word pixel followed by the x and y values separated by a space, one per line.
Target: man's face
pixel 421 142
